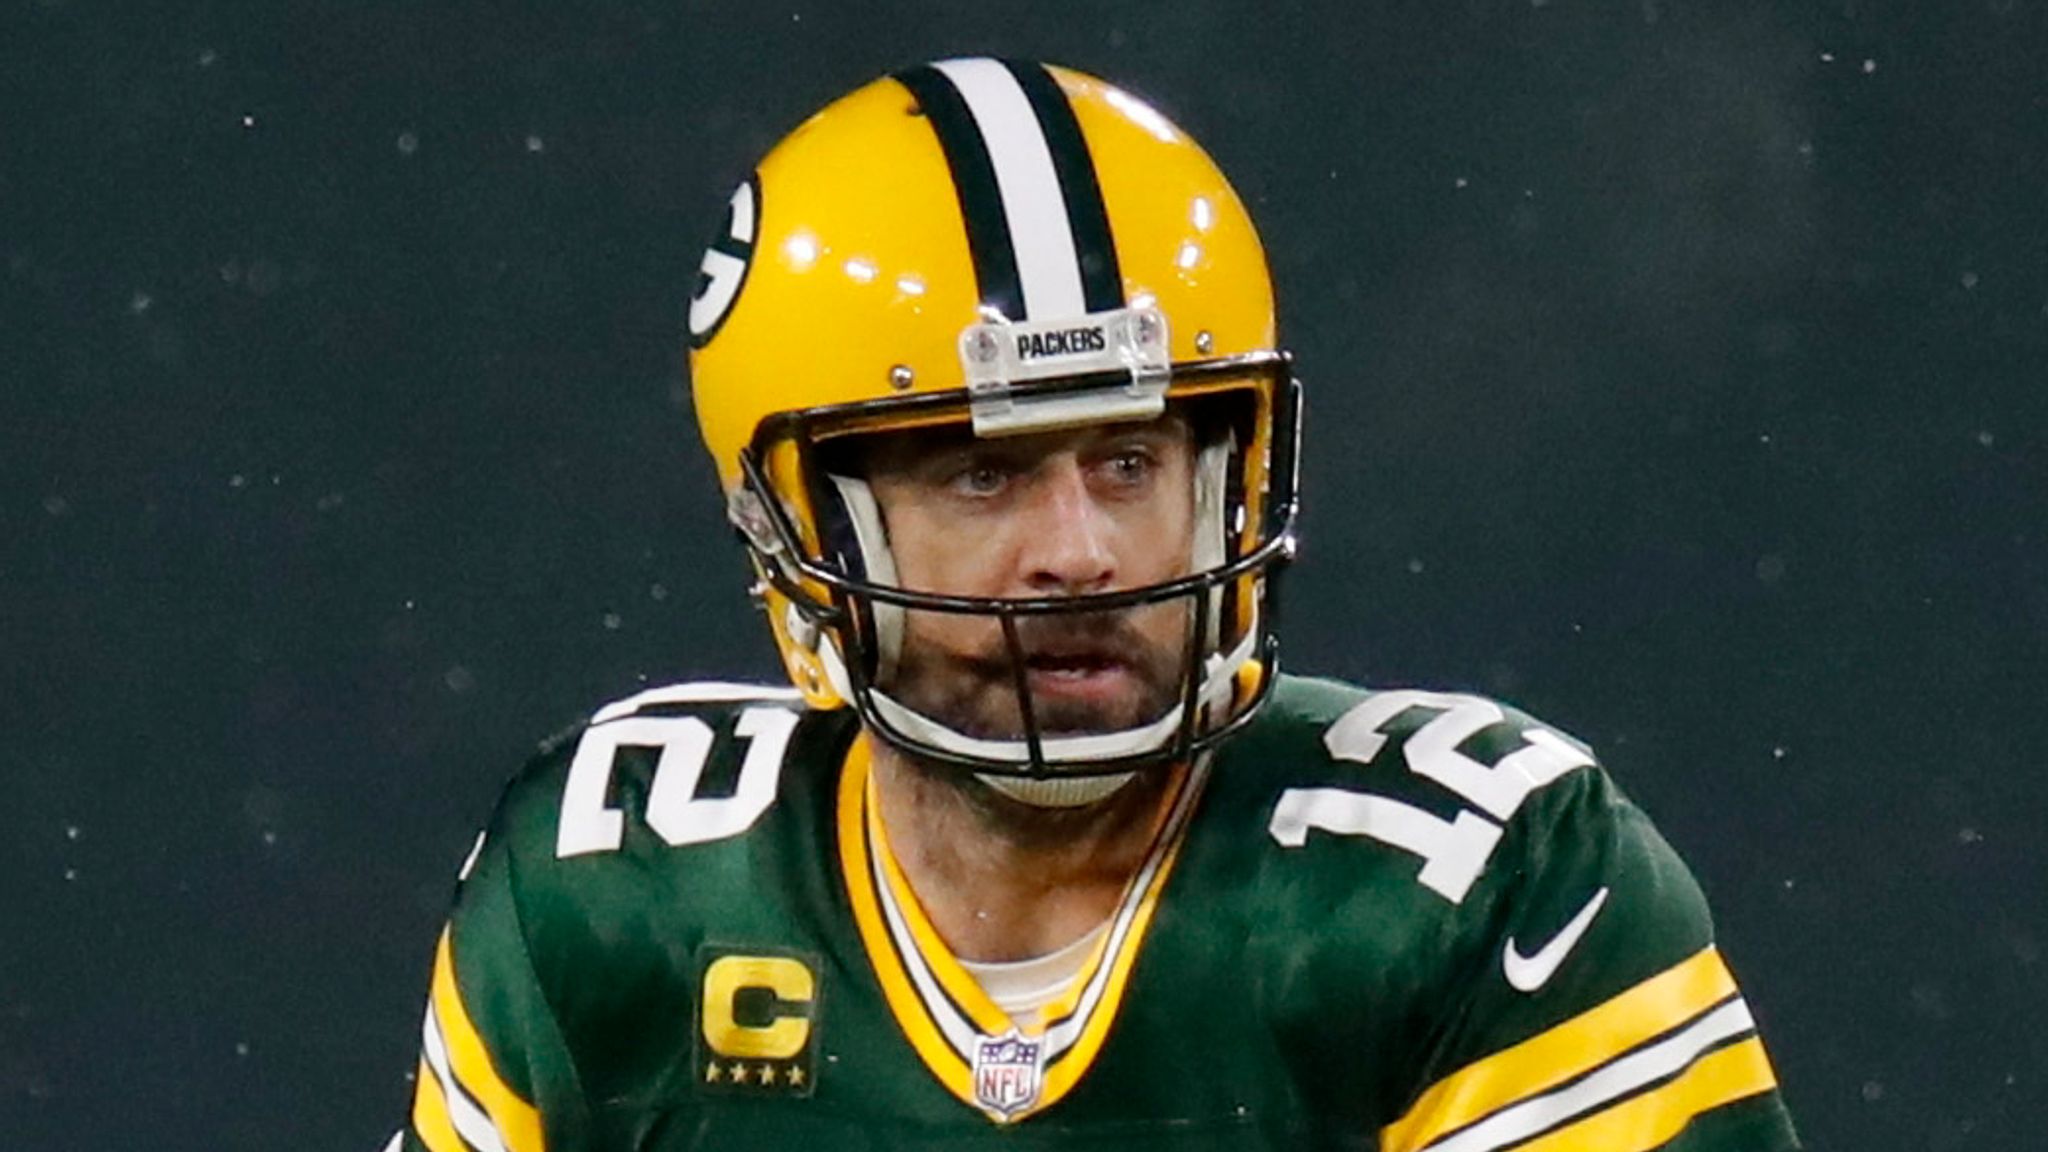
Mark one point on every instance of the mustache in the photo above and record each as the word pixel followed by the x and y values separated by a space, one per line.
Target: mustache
pixel 977 684
pixel 1102 636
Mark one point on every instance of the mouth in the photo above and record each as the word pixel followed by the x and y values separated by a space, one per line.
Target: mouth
pixel 1078 674
pixel 1073 681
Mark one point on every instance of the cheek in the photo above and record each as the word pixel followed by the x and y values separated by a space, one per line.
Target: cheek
pixel 1163 538
pixel 1164 625
pixel 950 559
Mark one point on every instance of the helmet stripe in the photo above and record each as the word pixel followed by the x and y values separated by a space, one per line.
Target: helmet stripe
pixel 1029 141
pixel 974 181
pixel 1102 283
pixel 1030 185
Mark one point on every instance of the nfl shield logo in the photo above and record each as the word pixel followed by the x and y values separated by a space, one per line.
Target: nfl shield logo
pixel 1008 1071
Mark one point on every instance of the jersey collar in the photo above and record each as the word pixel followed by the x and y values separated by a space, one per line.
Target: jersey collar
pixel 1006 1069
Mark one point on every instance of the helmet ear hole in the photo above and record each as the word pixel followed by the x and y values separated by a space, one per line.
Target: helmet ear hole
pixel 802 643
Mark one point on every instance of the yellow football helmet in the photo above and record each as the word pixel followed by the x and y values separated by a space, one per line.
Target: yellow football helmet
pixel 1012 247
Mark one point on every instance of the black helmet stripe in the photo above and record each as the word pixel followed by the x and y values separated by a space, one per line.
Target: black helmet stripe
pixel 1102 282
pixel 974 180
pixel 1036 227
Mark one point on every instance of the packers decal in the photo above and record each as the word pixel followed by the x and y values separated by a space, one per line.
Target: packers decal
pixel 757 1021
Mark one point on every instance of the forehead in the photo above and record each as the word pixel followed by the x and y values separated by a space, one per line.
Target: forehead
pixel 909 449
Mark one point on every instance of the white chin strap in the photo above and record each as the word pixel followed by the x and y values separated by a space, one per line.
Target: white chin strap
pixel 873 538
pixel 1219 671
pixel 1211 533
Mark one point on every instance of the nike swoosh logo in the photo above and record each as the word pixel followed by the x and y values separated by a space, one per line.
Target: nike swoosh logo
pixel 1528 973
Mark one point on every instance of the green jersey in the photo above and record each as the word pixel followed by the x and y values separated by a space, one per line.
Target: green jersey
pixel 1399 920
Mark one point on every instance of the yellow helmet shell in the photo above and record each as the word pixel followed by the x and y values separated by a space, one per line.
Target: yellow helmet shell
pixel 858 271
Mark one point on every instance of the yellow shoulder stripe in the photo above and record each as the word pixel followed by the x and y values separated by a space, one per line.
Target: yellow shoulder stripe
pixel 430 1114
pixel 1649 1120
pixel 517 1122
pixel 1574 1047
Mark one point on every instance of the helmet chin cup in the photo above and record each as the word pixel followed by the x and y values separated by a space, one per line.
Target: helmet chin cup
pixel 1065 792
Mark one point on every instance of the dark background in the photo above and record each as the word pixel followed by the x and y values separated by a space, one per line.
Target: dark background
pixel 1674 371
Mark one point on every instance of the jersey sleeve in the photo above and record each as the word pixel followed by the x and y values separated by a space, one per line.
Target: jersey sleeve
pixel 495 1074
pixel 1593 1010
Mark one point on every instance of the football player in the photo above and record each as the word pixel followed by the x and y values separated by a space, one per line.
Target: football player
pixel 1040 848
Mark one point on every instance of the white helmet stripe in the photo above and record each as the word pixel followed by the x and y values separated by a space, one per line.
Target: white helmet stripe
pixel 1040 233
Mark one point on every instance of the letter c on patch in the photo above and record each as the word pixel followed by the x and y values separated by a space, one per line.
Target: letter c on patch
pixel 785 1033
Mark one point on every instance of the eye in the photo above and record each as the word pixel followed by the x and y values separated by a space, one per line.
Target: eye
pixel 1130 465
pixel 979 478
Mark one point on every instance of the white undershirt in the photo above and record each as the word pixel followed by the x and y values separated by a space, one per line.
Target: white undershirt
pixel 1021 987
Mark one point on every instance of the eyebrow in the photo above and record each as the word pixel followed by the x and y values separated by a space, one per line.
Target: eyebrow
pixel 917 450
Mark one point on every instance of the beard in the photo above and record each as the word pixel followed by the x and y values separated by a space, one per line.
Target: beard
pixel 975 691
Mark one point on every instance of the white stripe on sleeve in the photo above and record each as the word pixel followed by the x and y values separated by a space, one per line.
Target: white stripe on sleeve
pixel 471 1124
pixel 1614 1080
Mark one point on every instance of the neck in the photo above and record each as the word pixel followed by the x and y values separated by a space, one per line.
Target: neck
pixel 1002 880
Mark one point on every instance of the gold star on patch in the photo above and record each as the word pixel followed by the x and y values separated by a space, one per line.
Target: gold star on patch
pixel 796 1074
pixel 766 1072
pixel 711 1072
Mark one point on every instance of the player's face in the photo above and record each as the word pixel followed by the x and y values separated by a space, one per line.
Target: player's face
pixel 1055 514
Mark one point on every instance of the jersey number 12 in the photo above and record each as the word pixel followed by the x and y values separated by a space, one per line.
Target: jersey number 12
pixel 1453 851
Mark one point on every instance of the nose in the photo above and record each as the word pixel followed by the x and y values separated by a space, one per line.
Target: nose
pixel 1068 536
